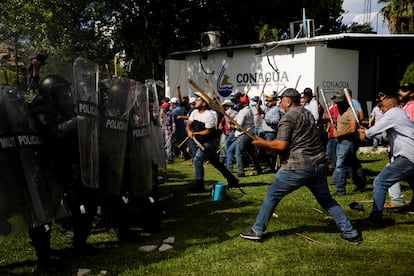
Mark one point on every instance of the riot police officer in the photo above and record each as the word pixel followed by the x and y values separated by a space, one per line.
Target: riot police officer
pixel 54 114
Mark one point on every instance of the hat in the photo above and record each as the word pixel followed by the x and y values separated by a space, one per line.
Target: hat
pixel 407 87
pixel 165 105
pixel 290 93
pixel 42 58
pixel 203 97
pixel 255 98
pixel 270 94
pixel 244 99
pixel 174 100
pixel 227 102
pixel 192 100
pixel 307 91
pixel 333 97
pixel 340 97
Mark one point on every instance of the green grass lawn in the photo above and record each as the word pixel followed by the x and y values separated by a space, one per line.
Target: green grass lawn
pixel 207 235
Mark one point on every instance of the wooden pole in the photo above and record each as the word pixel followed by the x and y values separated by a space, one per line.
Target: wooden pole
pixel 220 108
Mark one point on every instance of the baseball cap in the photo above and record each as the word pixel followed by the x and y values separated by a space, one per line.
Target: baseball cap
pixel 192 100
pixel 340 97
pixel 255 98
pixel 165 105
pixel 407 87
pixel 174 100
pixel 244 99
pixel 307 91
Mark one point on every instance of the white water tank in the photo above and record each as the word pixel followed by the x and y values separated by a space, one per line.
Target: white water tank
pixel 210 40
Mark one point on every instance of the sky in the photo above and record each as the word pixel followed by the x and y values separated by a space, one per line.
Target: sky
pixel 354 7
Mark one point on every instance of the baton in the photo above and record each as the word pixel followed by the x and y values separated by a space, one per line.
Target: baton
pixel 351 105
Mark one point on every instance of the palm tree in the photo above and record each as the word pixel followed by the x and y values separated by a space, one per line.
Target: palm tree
pixel 400 15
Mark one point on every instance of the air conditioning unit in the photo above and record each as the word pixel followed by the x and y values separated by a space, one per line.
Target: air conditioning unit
pixel 210 40
pixel 302 28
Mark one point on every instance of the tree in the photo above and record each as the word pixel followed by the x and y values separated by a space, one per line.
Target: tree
pixel 149 30
pixel 400 15
pixel 408 75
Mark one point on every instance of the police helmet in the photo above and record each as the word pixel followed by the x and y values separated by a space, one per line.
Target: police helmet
pixel 52 84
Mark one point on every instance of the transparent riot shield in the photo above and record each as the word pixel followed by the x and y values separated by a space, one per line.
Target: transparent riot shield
pixel 86 92
pixel 156 135
pixel 28 194
pixel 139 147
pixel 118 98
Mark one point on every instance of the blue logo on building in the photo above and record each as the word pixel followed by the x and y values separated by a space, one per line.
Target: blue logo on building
pixel 224 87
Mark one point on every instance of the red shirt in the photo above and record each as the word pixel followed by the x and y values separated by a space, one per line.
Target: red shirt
pixel 334 111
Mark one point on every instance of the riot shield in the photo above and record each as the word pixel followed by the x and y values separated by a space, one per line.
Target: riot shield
pixel 28 195
pixel 139 148
pixel 118 95
pixel 86 95
pixel 156 134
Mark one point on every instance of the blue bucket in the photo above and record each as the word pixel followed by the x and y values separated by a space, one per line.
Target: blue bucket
pixel 219 192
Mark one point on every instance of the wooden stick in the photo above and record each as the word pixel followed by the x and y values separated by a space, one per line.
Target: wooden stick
pixel 308 238
pixel 297 82
pixel 317 210
pixel 198 144
pixel 261 93
pixel 182 143
pixel 247 92
pixel 220 109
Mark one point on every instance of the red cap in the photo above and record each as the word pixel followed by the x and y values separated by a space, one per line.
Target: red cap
pixel 244 99
pixel 165 105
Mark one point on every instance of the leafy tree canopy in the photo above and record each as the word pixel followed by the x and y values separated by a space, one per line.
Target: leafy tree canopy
pixel 149 30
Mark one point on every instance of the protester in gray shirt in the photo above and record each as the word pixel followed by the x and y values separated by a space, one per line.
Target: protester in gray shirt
pixel 306 166
pixel 400 135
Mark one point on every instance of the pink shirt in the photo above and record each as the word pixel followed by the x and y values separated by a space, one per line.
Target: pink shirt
pixel 409 108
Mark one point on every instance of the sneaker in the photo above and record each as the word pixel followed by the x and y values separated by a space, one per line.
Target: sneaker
pixel 251 235
pixel 354 240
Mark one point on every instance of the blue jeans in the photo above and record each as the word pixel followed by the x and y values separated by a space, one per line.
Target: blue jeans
pixel 169 144
pixel 271 160
pixel 331 151
pixel 287 181
pixel 399 169
pixel 244 145
pixel 345 159
pixel 230 150
pixel 210 154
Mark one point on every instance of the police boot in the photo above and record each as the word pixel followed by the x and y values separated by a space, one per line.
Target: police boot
pixel 41 242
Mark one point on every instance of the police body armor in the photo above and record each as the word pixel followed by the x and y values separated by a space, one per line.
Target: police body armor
pixel 86 97
pixel 118 101
pixel 140 147
pixel 29 196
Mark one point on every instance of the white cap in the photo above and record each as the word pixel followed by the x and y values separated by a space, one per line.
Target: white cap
pixel 192 100
pixel 174 100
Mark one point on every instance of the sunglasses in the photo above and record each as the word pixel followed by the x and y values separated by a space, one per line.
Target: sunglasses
pixel 405 89
pixel 268 101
